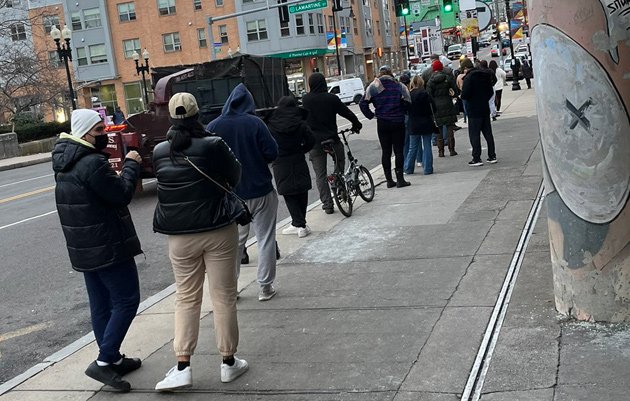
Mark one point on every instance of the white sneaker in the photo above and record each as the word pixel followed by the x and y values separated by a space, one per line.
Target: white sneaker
pixel 176 379
pixel 231 373
pixel 290 230
pixel 418 164
pixel 303 231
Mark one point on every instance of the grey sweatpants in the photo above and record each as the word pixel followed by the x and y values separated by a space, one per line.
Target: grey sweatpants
pixel 264 211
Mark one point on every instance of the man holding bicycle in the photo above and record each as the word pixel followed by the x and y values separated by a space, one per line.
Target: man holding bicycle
pixel 323 108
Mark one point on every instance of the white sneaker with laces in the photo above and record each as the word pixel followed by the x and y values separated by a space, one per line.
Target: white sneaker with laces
pixel 418 164
pixel 176 379
pixel 303 231
pixel 231 373
pixel 290 230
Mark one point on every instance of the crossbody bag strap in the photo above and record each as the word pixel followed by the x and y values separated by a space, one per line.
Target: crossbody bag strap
pixel 212 179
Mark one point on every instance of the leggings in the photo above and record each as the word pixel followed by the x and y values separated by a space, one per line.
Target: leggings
pixel 391 136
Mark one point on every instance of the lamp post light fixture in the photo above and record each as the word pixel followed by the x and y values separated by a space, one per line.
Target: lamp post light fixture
pixel 141 69
pixel 65 54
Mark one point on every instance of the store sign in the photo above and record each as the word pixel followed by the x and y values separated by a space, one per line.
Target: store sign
pixel 313 5
pixel 301 53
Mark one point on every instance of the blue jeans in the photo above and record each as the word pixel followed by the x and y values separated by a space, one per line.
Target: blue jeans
pixel 419 144
pixel 114 295
pixel 444 129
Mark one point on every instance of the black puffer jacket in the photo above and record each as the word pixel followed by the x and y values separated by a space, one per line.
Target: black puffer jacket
pixel 92 204
pixel 187 201
pixel 440 87
pixel 294 138
pixel 420 115
pixel 477 91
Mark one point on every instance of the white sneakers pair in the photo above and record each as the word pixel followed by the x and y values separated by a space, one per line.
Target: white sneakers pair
pixel 181 379
pixel 300 231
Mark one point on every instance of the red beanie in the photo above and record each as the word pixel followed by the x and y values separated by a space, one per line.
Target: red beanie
pixel 437 65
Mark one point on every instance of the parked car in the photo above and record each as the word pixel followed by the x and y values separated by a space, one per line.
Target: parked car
pixel 454 52
pixel 494 51
pixel 418 69
pixel 348 90
pixel 507 67
pixel 484 42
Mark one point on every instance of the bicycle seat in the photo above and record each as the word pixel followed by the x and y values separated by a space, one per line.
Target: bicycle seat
pixel 328 142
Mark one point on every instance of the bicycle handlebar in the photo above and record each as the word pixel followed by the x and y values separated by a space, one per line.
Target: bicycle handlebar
pixel 343 131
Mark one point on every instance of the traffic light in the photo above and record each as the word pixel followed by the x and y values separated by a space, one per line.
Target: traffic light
pixel 283 12
pixel 337 6
pixel 448 6
pixel 402 8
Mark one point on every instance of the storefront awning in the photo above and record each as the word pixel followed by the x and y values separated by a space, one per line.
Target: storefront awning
pixel 302 53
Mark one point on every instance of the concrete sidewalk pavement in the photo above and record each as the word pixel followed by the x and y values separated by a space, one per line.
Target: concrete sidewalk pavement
pixel 393 302
pixel 24 161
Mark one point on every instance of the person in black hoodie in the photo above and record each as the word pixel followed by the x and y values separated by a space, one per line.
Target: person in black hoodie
pixel 101 239
pixel 293 179
pixel 421 126
pixel 477 92
pixel 202 236
pixel 323 108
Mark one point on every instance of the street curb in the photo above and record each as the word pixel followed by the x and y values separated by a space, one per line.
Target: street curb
pixel 25 164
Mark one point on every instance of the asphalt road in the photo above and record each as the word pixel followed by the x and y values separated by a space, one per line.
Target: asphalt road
pixel 43 303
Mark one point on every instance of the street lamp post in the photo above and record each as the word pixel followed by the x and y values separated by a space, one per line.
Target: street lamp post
pixel 334 11
pixel 141 69
pixel 516 65
pixel 65 54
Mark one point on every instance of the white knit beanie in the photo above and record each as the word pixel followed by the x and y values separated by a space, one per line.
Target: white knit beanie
pixel 82 121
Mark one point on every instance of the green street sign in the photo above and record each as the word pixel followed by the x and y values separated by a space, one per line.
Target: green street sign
pixel 298 8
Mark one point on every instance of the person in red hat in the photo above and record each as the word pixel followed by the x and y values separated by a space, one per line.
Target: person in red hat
pixel 443 89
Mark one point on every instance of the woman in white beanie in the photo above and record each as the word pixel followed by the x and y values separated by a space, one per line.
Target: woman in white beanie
pixel 202 236
pixel 101 239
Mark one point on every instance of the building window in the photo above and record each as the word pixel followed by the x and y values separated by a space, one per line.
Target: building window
pixel 50 21
pixel 378 27
pixel 18 32
pixel 320 23
pixel 218 3
pixel 130 46
pixel 76 21
pixel 127 12
pixel 133 97
pixel 97 54
pixel 53 59
pixel 343 26
pixel 171 42
pixel 81 56
pixel 223 33
pixel 92 18
pixel 330 23
pixel 311 23
pixel 201 37
pixel 106 95
pixel 356 27
pixel 166 7
pixel 284 29
pixel 197 4
pixel 387 28
pixel 256 30
pixel 299 24
pixel 368 27
pixel 13 3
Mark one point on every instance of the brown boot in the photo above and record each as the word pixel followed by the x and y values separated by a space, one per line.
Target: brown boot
pixel 451 142
pixel 440 144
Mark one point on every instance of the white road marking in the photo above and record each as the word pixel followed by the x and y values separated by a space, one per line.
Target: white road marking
pixel 27 180
pixel 25 220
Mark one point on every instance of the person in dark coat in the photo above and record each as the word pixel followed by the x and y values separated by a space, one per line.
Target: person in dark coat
pixel 101 239
pixel 443 90
pixel 288 126
pixel 477 92
pixel 323 108
pixel 528 73
pixel 202 236
pixel 421 127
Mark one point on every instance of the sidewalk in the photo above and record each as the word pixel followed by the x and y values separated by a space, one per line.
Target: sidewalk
pixel 24 161
pixel 392 303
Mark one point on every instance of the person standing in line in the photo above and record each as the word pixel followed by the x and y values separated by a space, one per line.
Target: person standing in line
pixel 252 143
pixel 405 79
pixel 202 237
pixel 323 108
pixel 421 125
pixel 464 64
pixel 528 73
pixel 478 91
pixel 119 116
pixel 443 89
pixel 483 64
pixel 293 179
pixel 498 87
pixel 101 239
pixel 390 100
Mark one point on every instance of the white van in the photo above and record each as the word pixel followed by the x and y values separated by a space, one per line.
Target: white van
pixel 348 90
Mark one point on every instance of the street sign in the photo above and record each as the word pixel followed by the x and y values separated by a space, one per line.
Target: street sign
pixel 298 8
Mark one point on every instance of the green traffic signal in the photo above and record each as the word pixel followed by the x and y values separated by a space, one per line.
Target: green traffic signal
pixel 405 11
pixel 448 6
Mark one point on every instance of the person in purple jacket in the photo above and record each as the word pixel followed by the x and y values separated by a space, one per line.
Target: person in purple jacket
pixel 390 99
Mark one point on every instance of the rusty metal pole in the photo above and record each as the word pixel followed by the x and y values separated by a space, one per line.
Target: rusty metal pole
pixel 581 55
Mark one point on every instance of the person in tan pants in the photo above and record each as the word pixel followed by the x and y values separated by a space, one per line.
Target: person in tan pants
pixel 202 237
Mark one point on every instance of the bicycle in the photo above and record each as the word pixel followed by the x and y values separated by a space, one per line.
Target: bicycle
pixel 356 181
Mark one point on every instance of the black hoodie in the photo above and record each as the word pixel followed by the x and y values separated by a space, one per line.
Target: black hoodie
pixel 323 108
pixel 92 204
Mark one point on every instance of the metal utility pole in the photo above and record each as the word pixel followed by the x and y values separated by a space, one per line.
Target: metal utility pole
pixel 582 105
pixel 336 41
pixel 407 40
pixel 516 64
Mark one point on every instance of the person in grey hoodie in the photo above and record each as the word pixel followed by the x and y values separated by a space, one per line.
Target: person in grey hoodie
pixel 250 140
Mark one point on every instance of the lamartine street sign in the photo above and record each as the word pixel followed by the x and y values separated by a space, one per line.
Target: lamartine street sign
pixel 298 8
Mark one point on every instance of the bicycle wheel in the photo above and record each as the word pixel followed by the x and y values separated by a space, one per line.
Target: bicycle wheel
pixel 342 198
pixel 365 184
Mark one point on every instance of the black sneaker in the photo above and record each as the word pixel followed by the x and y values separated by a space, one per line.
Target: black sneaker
pixel 127 365
pixel 245 258
pixel 475 163
pixel 491 160
pixel 329 210
pixel 107 375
